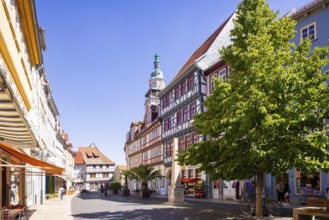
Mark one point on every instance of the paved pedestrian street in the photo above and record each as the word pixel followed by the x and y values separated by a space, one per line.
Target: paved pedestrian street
pixel 117 207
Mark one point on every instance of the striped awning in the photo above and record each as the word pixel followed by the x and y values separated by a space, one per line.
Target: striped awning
pixel 13 128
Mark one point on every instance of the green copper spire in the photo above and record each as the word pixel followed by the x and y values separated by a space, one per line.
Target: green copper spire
pixel 156 56
pixel 157 72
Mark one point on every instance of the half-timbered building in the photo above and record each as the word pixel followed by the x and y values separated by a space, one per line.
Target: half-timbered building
pixel 183 98
pixel 143 143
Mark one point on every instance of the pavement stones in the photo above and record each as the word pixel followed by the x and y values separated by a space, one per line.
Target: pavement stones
pixel 61 210
pixel 53 209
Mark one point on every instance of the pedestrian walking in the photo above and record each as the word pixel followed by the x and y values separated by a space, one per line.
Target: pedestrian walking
pixel 280 190
pixel 102 189
pixel 70 190
pixel 286 197
pixel 61 192
pixel 13 193
pixel 107 190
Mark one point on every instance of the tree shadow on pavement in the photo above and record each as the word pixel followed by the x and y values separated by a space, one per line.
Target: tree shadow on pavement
pixel 121 208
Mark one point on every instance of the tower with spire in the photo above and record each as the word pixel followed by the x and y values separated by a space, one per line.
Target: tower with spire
pixel 156 85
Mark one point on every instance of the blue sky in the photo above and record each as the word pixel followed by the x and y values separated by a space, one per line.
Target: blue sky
pixel 100 56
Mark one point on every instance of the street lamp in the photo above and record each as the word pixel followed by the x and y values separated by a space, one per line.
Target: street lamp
pixel 43 155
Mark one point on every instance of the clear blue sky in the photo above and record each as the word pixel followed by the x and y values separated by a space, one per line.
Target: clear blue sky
pixel 100 56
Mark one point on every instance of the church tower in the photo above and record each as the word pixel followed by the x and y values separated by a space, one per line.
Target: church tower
pixel 156 85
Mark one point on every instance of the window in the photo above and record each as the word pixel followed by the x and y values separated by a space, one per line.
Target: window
pixel 167 124
pixel 166 101
pixel 177 93
pixel 211 82
pixel 146 155
pixel 168 149
pixel 184 173
pixel 179 118
pixel 188 141
pixel 181 144
pixel 195 138
pixel 308 31
pixel 222 74
pixel 308 183
pixel 192 110
pixel 198 173
pixel 159 151
pixel 185 114
pixel 183 87
pixel 190 173
pixel 190 84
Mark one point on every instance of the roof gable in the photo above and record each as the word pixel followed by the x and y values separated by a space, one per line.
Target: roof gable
pixel 209 48
pixel 91 155
pixel 78 158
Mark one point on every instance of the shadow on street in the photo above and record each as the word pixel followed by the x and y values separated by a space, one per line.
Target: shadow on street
pixel 117 207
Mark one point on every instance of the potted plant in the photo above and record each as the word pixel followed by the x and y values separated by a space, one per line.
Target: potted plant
pixel 115 186
pixel 126 191
pixel 143 174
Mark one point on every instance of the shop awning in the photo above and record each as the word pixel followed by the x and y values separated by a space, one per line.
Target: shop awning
pixel 49 168
pixel 190 180
pixel 13 128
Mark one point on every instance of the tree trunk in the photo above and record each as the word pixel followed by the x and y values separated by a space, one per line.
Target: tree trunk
pixel 259 184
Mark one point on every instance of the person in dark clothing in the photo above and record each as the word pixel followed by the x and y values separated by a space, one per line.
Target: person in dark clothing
pixel 280 190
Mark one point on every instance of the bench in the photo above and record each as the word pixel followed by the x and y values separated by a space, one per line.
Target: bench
pixel 307 213
pixel 316 207
pixel 317 202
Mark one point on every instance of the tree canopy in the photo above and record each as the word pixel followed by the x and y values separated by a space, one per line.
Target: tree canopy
pixel 268 116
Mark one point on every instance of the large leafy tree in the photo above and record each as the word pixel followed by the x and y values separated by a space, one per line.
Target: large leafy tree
pixel 269 116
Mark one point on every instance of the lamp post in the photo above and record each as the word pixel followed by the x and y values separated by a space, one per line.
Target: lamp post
pixel 44 155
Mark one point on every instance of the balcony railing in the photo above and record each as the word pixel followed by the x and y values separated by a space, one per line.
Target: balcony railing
pixel 99 170
pixel 91 179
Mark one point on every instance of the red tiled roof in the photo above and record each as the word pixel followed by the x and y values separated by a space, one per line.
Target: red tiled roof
pixel 96 157
pixel 78 159
pixel 201 50
pixel 306 7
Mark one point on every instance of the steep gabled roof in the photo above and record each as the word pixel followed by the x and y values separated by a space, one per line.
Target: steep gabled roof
pixel 91 155
pixel 203 50
pixel 78 159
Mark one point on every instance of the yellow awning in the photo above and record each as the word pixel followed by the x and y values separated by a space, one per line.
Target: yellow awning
pixel 49 168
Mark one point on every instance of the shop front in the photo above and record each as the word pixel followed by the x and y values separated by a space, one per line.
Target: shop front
pixel 217 191
pixel 307 185
pixel 193 187
pixel 15 167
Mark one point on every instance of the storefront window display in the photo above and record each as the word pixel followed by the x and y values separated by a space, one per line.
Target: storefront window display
pixel 308 183
pixel 217 184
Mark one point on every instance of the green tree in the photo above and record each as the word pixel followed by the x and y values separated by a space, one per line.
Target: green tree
pixel 115 186
pixel 50 185
pixel 143 174
pixel 268 117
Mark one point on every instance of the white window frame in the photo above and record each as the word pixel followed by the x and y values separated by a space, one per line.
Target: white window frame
pixel 308 34
pixel 222 74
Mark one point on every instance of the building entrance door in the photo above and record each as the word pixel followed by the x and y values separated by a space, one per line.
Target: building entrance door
pixel 228 191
